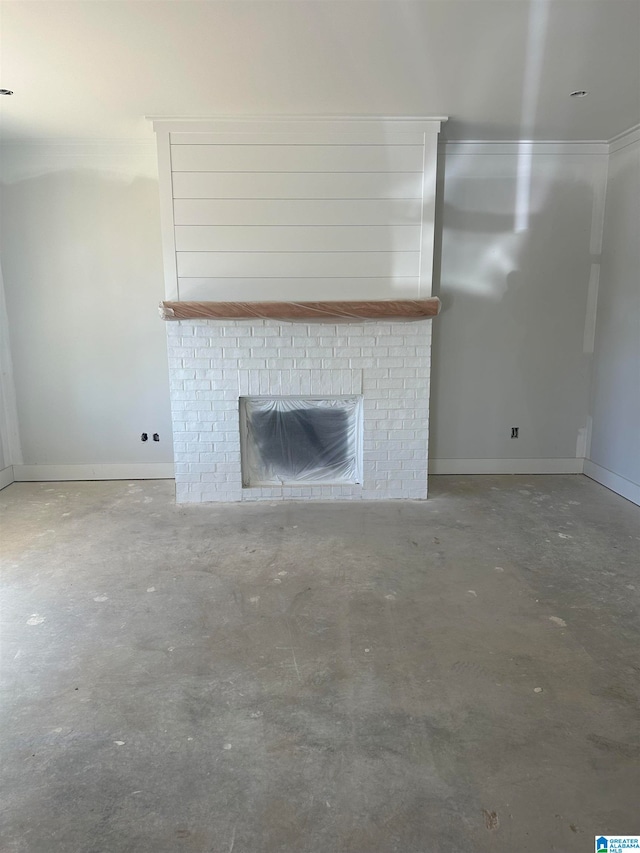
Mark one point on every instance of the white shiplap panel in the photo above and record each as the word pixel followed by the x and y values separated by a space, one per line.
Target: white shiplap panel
pixel 297 289
pixel 292 185
pixel 296 158
pixel 302 264
pixel 216 211
pixel 298 238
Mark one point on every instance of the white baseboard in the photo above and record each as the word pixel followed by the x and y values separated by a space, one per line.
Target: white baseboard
pixel 6 477
pixel 506 466
pixel 124 471
pixel 620 485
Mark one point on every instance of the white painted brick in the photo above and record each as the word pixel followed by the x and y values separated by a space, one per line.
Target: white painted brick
pixel 249 363
pixel 201 418
pixel 375 456
pixel 391 383
pixel 331 363
pixel 201 363
pixel 280 363
pixel 260 381
pixel 197 385
pixel 388 362
pixel 294 382
pixel 305 382
pixel 202 332
pixel 400 393
pixel 364 362
pixel 416 383
pixel 293 352
pixel 402 372
pixel 214 354
pixel 233 353
pixel 183 352
pixel 180 375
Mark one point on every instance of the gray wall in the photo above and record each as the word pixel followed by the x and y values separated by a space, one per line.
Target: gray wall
pixel 83 274
pixel 10 452
pixel 519 236
pixel 615 402
pixel 82 258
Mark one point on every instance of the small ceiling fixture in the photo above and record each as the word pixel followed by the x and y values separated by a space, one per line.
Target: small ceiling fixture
pixel 6 92
pixel 579 93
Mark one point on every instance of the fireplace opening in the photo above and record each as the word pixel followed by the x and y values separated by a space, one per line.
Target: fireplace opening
pixel 289 440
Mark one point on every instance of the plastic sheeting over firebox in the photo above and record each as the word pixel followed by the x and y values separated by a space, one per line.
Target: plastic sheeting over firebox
pixel 300 440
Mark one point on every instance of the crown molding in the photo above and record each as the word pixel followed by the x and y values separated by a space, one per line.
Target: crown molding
pixel 624 139
pixel 475 147
pixel 20 160
pixel 24 158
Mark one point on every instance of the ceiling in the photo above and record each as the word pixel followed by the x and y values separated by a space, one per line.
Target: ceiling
pixel 501 69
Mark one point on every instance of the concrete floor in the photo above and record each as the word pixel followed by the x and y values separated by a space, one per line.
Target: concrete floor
pixel 456 675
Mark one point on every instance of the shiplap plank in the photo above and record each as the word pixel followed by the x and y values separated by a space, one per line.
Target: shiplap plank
pixel 203 289
pixel 296 158
pixel 354 136
pixel 304 264
pixel 297 185
pixel 298 238
pixel 215 211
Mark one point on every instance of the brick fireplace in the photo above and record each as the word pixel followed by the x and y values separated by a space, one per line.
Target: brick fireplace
pixel 213 363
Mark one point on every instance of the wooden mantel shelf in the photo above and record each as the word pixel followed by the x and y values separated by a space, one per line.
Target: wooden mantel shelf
pixel 383 309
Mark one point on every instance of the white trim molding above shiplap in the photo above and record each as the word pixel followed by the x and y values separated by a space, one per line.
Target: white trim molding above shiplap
pixel 506 466
pixel 310 125
pixel 6 477
pixel 122 471
pixel 620 485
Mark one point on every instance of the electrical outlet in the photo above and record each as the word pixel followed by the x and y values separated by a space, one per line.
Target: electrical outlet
pixel 515 432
